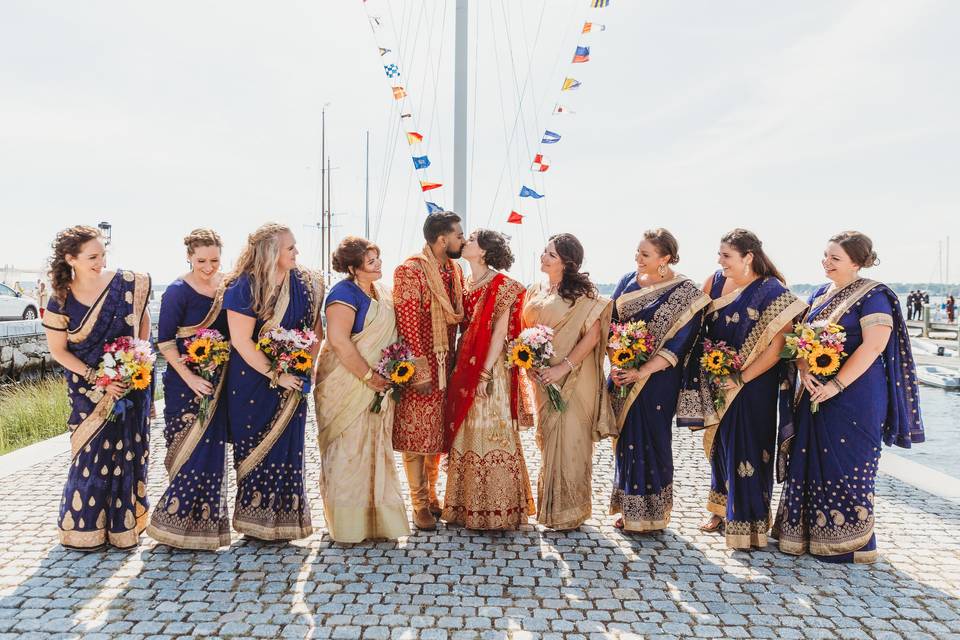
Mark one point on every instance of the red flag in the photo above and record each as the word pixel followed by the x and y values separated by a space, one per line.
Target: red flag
pixel 515 218
pixel 426 186
pixel 540 163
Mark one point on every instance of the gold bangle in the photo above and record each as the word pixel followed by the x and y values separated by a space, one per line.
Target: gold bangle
pixel 369 374
pixel 569 364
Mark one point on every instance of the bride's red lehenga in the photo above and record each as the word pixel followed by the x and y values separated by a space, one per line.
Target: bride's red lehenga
pixel 487 482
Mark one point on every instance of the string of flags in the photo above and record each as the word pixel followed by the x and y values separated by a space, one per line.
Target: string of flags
pixel 415 139
pixel 540 163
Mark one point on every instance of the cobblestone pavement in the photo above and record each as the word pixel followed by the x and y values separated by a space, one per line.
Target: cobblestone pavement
pixel 451 583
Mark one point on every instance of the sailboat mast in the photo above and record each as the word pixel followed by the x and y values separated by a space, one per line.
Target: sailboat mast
pixel 460 114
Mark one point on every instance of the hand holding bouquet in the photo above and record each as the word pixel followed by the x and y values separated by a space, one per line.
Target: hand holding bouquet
pixel 534 348
pixel 207 351
pixel 820 345
pixel 129 362
pixel 396 365
pixel 632 344
pixel 289 352
pixel 719 362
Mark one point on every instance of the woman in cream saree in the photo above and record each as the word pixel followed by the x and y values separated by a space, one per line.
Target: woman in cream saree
pixel 565 438
pixel 361 492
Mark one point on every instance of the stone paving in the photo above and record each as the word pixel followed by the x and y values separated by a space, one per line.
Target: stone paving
pixel 451 583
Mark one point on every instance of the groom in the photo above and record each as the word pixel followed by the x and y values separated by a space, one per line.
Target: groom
pixel 428 298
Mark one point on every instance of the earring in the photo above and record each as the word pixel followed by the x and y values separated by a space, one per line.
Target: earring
pixel 662 270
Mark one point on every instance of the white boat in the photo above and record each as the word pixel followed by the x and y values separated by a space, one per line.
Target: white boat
pixel 937 376
pixel 930 348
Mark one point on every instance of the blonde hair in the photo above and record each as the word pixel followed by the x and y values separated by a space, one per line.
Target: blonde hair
pixel 259 260
pixel 201 238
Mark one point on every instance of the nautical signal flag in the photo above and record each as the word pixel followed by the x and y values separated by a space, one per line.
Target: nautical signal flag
pixel 560 109
pixel 515 218
pixel 540 163
pixel 570 84
pixel 549 137
pixel 599 4
pixel 399 93
pixel 581 55
pixel 421 162
pixel 427 186
pixel 527 192
pixel 593 26
pixel 433 207
pixel 413 137
pixel 384 52
pixel 391 70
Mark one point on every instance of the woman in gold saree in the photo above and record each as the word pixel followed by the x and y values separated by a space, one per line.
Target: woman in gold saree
pixel 362 498
pixel 580 319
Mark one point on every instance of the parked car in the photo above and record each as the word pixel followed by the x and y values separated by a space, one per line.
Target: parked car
pixel 16 306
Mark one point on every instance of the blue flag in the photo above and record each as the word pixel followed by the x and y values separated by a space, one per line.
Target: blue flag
pixel 549 137
pixel 433 207
pixel 421 162
pixel 391 70
pixel 527 192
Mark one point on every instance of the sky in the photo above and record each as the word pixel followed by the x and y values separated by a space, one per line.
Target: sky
pixel 795 120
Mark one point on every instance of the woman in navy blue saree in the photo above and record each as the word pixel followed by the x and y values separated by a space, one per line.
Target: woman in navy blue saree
pixel 105 496
pixel 267 414
pixel 828 459
pixel 751 311
pixel 672 306
pixel 193 513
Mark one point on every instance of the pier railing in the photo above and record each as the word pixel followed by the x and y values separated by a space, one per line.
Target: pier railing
pixel 926 325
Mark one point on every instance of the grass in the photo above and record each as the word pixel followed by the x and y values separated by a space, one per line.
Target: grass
pixel 31 412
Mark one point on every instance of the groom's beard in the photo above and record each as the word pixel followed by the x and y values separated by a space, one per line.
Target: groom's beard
pixel 454 256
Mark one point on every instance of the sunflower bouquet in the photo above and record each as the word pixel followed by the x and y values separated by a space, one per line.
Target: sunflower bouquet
pixel 534 348
pixel 289 352
pixel 820 345
pixel 396 365
pixel 718 362
pixel 128 361
pixel 207 351
pixel 632 344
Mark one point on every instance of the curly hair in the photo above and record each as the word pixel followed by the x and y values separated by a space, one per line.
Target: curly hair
pixel 496 247
pixel 573 282
pixel 744 242
pixel 68 242
pixel 665 243
pixel 259 260
pixel 201 238
pixel 859 247
pixel 350 255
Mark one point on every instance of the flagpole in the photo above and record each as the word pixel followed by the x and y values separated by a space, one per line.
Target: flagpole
pixel 460 114
pixel 366 205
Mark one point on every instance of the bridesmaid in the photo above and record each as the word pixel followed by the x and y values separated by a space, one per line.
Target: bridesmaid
pixel 672 307
pixel 193 512
pixel 105 497
pixel 267 417
pixel 751 311
pixel 487 482
pixel 362 497
pixel 580 318
pixel 830 457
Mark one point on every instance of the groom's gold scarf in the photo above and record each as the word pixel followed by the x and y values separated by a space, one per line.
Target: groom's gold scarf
pixel 443 311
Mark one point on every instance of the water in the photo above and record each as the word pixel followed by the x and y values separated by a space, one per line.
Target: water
pixel 941 419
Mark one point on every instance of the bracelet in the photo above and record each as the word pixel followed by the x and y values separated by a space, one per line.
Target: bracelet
pixel 366 377
pixel 486 375
pixel 569 364
pixel 90 375
pixel 840 386
pixel 274 378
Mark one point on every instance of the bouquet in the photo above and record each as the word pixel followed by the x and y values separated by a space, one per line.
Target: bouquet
pixel 820 344
pixel 534 348
pixel 289 352
pixel 207 351
pixel 128 361
pixel 396 365
pixel 718 362
pixel 632 344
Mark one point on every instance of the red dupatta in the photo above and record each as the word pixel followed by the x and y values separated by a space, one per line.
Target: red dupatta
pixel 501 295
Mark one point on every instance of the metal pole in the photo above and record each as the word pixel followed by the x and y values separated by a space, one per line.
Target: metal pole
pixel 460 114
pixel 328 257
pixel 323 185
pixel 366 202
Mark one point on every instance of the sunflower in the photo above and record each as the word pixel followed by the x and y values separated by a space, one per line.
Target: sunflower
pixel 199 350
pixel 141 379
pixel 263 344
pixel 823 361
pixel 522 356
pixel 302 361
pixel 622 357
pixel 402 371
pixel 714 363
